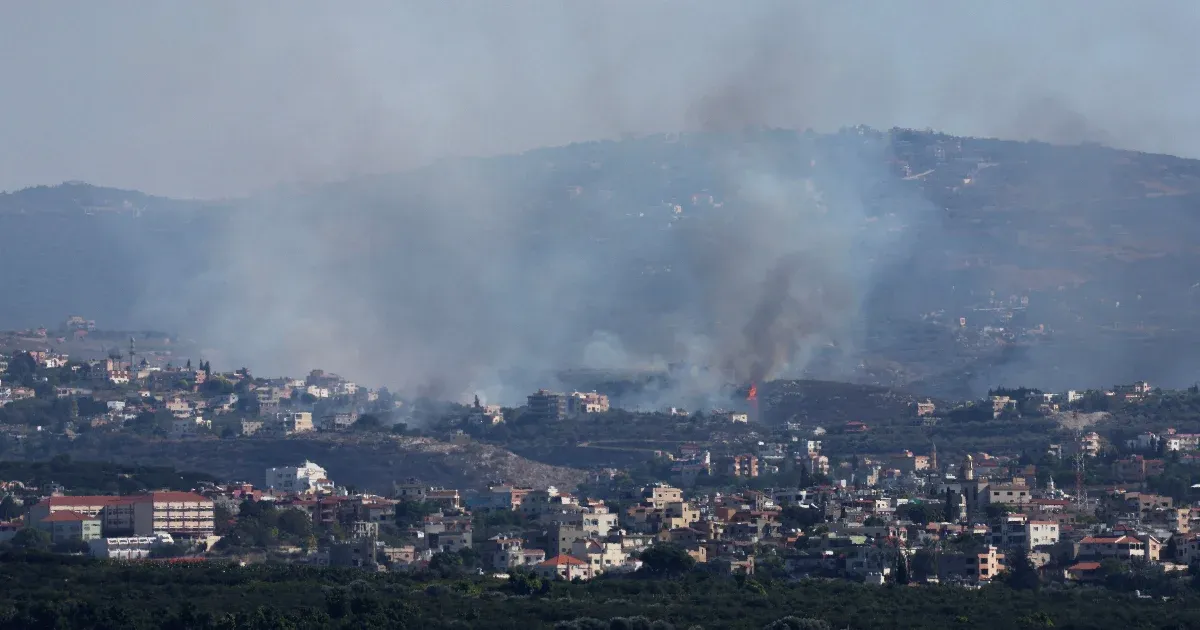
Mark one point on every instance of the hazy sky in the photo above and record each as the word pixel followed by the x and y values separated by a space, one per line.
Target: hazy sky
pixel 218 98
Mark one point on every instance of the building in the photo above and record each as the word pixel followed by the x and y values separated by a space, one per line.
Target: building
pixel 66 526
pixel 546 405
pixel 338 421
pixel 181 514
pixel 1019 531
pixel 587 402
pixel 504 552
pixel 564 567
pixel 1014 494
pixel 1120 547
pixel 307 477
pixel 1087 445
pixel 296 422
pixel 659 496
pixel 975 567
pixel 742 466
pixel 127 547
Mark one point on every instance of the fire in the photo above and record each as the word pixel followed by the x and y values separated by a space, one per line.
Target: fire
pixel 753 393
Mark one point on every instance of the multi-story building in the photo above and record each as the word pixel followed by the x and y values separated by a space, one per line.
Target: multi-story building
pixel 661 495
pixel 1019 531
pixel 296 422
pixel 67 526
pixel 306 477
pixel 179 513
pixel 546 405
pixel 587 402
pixel 742 465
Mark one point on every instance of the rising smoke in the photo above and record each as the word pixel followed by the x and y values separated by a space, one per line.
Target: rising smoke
pixel 463 277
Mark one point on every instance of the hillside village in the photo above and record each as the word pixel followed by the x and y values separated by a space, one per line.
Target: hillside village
pixel 748 497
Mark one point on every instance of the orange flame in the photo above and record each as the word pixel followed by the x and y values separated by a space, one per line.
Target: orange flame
pixel 753 393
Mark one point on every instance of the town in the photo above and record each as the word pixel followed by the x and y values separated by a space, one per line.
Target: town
pixel 750 499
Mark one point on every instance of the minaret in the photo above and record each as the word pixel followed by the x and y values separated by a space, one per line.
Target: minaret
pixel 1050 485
pixel 968 468
pixel 933 457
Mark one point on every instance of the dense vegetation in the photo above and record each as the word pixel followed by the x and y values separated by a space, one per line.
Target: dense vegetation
pixel 54 592
pixel 100 477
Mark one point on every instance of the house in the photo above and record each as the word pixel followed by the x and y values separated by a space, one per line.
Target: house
pixel 296 422
pixel 564 567
pixel 306 477
pixel 446 499
pixel 582 403
pixel 974 567
pixel 504 552
pixel 603 556
pixel 1119 547
pixel 1083 572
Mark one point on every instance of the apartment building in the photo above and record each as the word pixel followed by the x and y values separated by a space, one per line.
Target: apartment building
pixel 1018 531
pixel 546 406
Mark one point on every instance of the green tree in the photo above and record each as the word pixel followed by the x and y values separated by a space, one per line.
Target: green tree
pixel 1020 572
pixel 22 369
pixel 666 559
pixel 9 508
pixel 32 539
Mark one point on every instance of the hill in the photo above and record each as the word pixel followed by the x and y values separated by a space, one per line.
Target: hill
pixel 369 463
pixel 1070 265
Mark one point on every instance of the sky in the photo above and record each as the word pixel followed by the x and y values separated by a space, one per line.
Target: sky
pixel 225 98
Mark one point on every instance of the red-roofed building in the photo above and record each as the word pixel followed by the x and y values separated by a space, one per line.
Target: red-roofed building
pixel 67 526
pixel 1083 571
pixel 564 567
pixel 179 513
pixel 1120 547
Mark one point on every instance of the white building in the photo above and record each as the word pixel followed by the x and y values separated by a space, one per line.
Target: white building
pixel 298 479
pixel 128 547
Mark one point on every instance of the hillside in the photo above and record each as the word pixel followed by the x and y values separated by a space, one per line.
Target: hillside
pixel 1071 265
pixel 370 463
